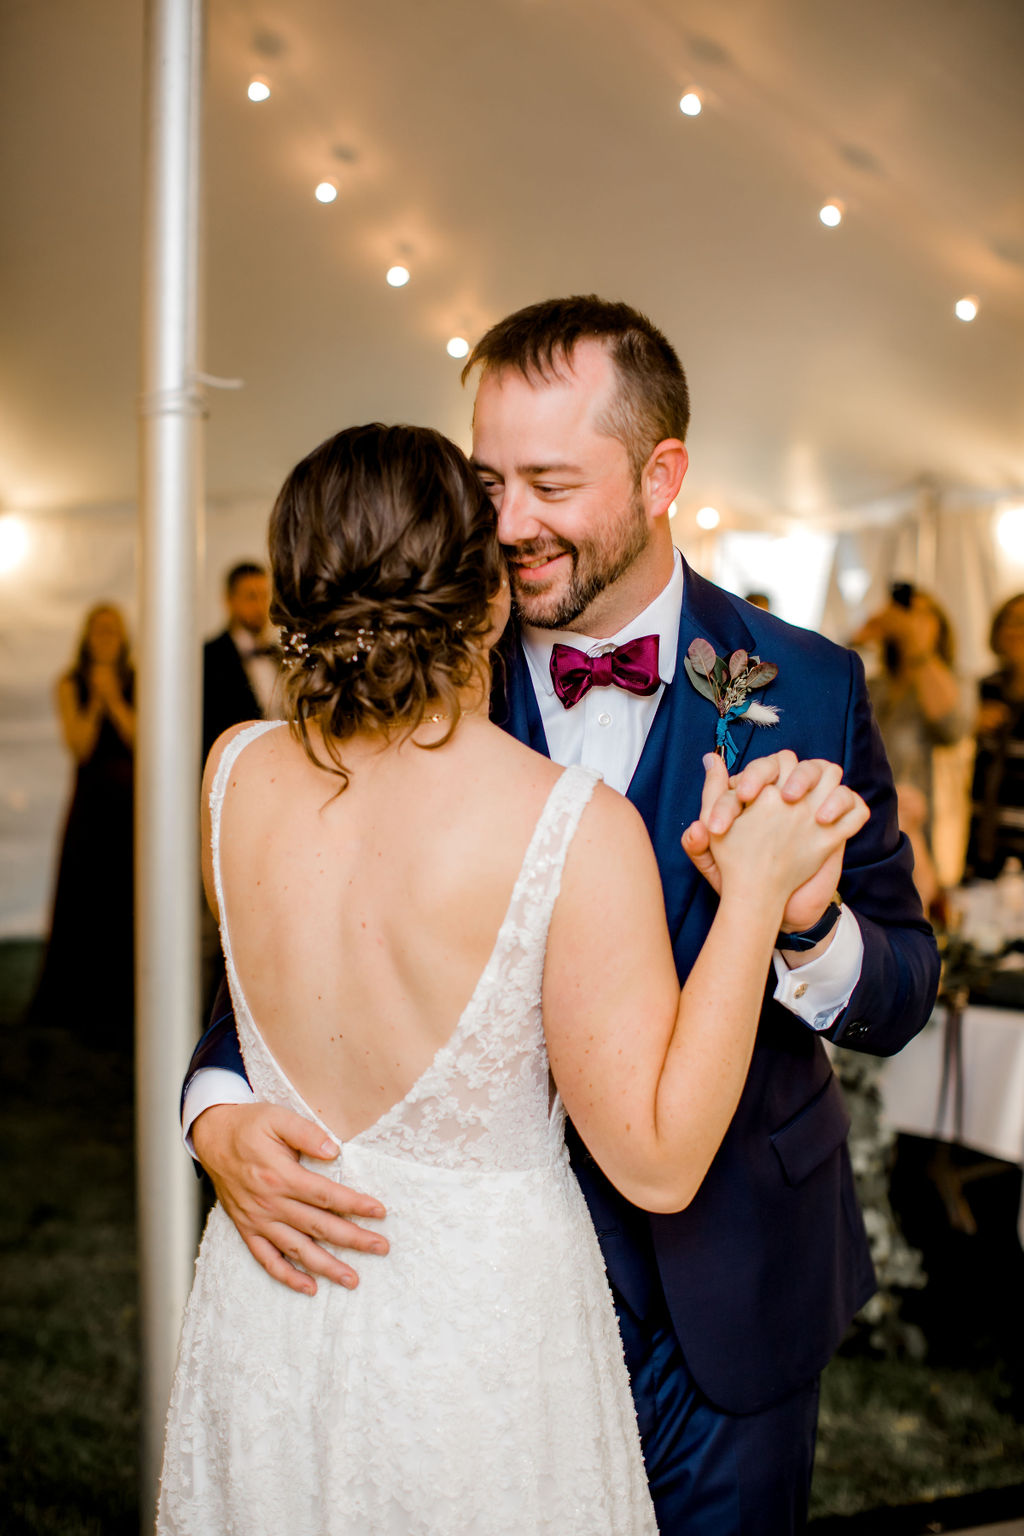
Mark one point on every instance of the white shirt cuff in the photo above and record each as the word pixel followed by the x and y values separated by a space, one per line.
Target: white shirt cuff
pixel 819 991
pixel 211 1085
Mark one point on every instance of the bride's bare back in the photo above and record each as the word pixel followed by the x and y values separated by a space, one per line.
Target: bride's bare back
pixel 361 922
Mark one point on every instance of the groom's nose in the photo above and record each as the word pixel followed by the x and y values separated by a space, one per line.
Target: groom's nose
pixel 517 518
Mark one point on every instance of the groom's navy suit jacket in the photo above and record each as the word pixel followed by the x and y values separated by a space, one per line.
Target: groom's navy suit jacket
pixel 765 1268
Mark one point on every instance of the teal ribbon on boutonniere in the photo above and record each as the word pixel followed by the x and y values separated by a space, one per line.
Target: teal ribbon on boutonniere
pixel 728 683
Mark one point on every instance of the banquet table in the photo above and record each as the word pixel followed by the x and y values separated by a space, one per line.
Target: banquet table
pixel 969 1092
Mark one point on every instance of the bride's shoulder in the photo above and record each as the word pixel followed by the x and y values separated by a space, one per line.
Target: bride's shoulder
pixel 518 764
pixel 221 745
pixel 522 771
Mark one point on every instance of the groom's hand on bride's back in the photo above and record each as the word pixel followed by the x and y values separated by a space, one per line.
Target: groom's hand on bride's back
pixel 283 1211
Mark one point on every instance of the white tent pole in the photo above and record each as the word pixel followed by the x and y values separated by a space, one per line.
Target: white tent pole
pixel 167 762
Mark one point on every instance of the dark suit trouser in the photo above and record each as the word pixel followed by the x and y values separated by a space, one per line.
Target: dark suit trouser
pixel 713 1473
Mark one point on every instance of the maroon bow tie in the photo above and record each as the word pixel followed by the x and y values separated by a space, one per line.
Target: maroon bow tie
pixel 633 666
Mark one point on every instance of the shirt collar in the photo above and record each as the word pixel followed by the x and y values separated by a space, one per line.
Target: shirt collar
pixel 661 618
pixel 246 642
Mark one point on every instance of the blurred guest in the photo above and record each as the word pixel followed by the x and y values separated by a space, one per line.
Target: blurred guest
pixel 916 699
pixel 90 950
pixel 241 666
pixel 997 794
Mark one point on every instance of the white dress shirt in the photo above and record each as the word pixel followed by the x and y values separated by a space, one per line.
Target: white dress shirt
pixel 262 670
pixel 607 730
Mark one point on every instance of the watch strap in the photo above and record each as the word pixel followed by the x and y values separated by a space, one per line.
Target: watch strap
pixel 807 938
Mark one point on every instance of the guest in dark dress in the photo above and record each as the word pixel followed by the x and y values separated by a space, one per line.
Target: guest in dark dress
pixel 90 951
pixel 997 792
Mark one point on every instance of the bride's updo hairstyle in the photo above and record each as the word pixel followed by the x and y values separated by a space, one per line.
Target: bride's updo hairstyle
pixel 385 557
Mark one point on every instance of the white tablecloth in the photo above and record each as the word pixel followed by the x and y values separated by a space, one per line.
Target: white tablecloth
pixel 992 1085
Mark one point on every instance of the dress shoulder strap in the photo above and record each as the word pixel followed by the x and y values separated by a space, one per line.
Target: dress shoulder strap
pixel 541 876
pixel 218 788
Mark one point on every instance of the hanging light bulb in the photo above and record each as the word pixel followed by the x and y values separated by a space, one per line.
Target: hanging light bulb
pixel 397 277
pixel 691 104
pixel 673 508
pixel 966 308
pixel 708 517
pixel 831 215
pixel 258 90
pixel 326 192
pixel 458 346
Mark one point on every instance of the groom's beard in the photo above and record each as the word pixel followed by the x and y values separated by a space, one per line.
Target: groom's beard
pixel 592 567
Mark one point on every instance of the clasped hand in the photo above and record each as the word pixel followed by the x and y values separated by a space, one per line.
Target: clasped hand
pixel 815 783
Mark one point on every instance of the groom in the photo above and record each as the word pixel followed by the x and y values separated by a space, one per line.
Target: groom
pixel 729 1309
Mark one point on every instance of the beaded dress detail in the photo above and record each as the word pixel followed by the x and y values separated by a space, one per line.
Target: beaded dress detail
pixel 473 1384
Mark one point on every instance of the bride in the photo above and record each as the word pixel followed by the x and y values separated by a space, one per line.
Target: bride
pixel 435 939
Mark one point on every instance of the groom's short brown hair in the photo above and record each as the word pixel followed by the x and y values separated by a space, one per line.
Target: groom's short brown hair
pixel 652 401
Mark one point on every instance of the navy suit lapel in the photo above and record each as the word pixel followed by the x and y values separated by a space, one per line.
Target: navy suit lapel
pixel 513 700
pixel 667 783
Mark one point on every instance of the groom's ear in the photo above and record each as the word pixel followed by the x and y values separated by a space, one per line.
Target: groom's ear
pixel 662 476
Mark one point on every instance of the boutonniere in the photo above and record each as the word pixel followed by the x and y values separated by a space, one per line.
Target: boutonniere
pixel 728 683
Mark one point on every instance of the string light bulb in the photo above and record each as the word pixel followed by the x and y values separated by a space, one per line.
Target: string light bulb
pixel 691 104
pixel 458 346
pixel 966 308
pixel 397 277
pixel 258 90
pixel 831 215
pixel 708 517
pixel 326 192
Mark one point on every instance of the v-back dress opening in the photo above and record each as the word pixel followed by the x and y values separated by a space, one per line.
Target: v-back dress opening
pixel 473 1384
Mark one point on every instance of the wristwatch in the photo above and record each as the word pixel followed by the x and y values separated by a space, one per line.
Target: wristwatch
pixel 811 936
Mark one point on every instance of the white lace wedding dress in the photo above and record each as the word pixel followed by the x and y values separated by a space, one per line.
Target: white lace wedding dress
pixel 473 1384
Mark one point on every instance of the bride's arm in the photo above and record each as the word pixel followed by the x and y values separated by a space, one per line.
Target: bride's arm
pixel 650 1078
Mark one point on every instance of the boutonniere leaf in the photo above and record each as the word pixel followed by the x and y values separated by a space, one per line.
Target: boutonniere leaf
pixel 728 682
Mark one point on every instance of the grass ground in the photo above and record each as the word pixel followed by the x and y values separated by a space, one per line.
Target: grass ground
pixel 893 1433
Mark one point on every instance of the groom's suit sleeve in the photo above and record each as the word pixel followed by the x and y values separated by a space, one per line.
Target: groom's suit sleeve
pixel 895 993
pixel 219 1046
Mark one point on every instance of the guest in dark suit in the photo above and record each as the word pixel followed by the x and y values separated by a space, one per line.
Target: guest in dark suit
pixel 241 665
pixel 729 1309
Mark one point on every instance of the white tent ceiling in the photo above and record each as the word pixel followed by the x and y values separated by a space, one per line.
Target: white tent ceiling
pixel 507 150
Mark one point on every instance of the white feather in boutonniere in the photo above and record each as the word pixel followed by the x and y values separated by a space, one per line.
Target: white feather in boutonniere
pixel 728 683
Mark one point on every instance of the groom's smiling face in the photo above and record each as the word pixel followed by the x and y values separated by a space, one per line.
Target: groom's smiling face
pixel 572 519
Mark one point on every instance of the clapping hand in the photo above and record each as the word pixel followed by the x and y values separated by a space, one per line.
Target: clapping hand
pixel 104 683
